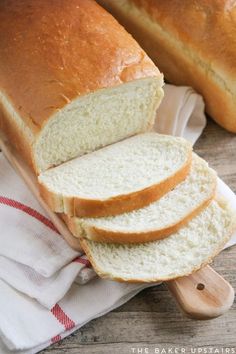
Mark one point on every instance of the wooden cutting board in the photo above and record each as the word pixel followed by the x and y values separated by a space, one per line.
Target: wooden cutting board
pixel 202 295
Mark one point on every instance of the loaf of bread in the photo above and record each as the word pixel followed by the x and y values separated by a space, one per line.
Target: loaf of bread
pixel 71 80
pixel 194 43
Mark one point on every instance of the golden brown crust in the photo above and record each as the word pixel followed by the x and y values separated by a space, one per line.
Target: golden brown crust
pixel 54 54
pixel 194 43
pixel 14 135
pixel 117 205
pixel 207 27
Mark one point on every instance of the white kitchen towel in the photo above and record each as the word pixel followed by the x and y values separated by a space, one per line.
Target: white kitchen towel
pixel 47 291
pixel 31 249
pixel 35 324
pixel 34 258
pixel 181 113
pixel 27 236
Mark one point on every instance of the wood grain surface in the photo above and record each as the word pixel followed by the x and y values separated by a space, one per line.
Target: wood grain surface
pixel 151 319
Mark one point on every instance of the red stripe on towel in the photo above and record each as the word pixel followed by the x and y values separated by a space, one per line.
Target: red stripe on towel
pixel 82 261
pixel 55 339
pixel 62 317
pixel 26 209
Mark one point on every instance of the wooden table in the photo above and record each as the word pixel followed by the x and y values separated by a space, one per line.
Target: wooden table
pixel 151 319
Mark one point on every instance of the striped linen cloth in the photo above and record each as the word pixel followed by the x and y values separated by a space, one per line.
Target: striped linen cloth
pixel 48 290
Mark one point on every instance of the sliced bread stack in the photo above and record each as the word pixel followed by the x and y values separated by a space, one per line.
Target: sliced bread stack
pixel 144 208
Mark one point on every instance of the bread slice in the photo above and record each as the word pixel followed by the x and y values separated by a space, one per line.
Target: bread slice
pixel 178 255
pixel 157 220
pixel 119 178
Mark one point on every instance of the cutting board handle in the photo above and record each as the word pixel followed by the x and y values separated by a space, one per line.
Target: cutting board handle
pixel 202 295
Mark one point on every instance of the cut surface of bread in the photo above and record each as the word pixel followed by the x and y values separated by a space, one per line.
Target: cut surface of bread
pixel 97 120
pixel 119 178
pixel 178 255
pixel 158 219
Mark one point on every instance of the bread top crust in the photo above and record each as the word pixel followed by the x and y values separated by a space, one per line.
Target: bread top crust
pixel 51 53
pixel 208 27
